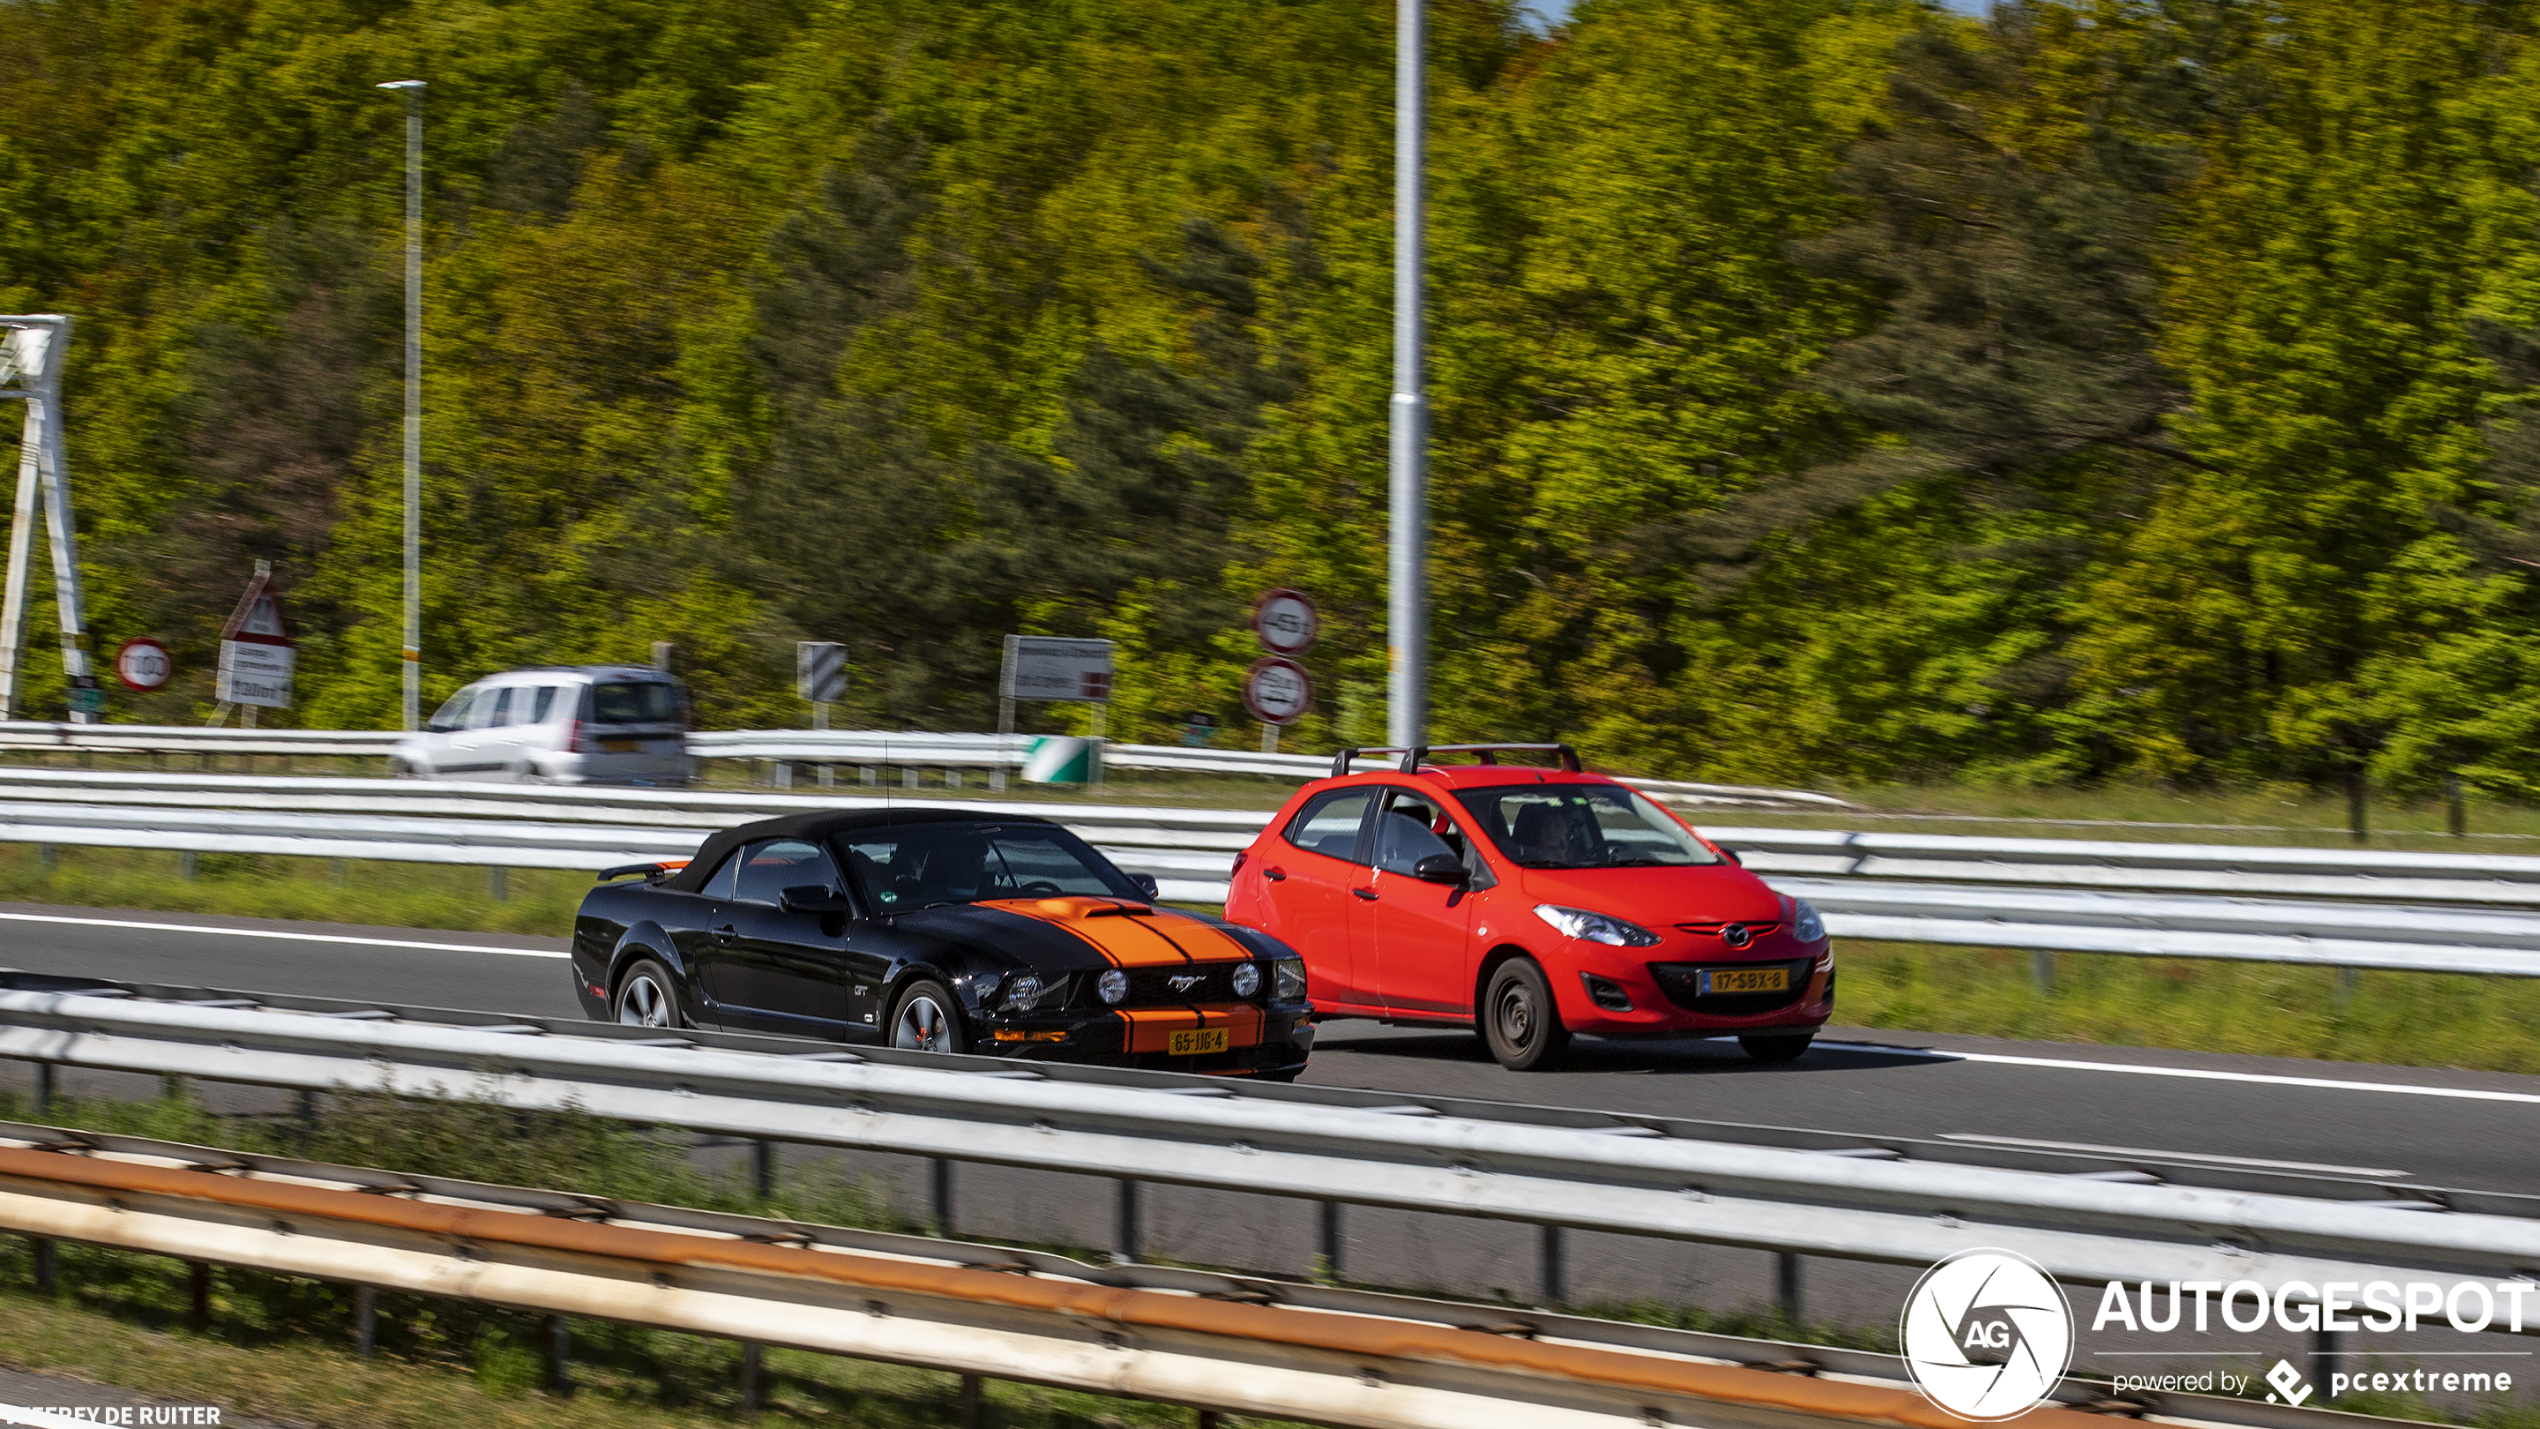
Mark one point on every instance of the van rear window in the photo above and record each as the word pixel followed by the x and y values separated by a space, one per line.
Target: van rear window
pixel 635 702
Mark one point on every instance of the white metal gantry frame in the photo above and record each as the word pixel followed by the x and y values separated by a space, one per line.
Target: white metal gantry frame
pixel 32 349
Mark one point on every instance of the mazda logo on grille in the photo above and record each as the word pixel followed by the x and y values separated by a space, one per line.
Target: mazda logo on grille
pixel 1183 984
pixel 1736 935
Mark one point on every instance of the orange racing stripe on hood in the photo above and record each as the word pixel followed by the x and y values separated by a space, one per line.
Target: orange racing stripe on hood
pixel 1131 935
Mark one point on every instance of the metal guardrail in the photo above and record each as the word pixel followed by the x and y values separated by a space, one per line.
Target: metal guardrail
pixel 906 749
pixel 982 1310
pixel 2087 1218
pixel 2398 911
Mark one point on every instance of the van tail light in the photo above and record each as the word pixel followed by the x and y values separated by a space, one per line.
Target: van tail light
pixel 579 742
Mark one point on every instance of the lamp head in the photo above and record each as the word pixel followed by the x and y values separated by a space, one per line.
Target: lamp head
pixel 407 85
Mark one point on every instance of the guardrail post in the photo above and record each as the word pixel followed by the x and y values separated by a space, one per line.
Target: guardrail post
pixel 870 775
pixel 498 883
pixel 1552 1266
pixel 2347 981
pixel 198 1296
pixel 1786 1285
pixel 43 1088
pixel 365 1320
pixel 966 1406
pixel 828 776
pixel 2455 808
pixel 44 1267
pixel 908 776
pixel 2355 804
pixel 753 1372
pixel 185 865
pixel 1331 1228
pixel 763 1168
pixel 1124 1238
pixel 49 855
pixel 942 1176
pixel 952 778
pixel 559 1357
pixel 2325 1360
pixel 2041 972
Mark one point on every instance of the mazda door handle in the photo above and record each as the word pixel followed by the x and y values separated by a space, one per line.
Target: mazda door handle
pixel 1275 875
pixel 1367 893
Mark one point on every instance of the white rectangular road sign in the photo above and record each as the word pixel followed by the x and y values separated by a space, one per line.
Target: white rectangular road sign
pixel 256 674
pixel 1041 667
pixel 820 671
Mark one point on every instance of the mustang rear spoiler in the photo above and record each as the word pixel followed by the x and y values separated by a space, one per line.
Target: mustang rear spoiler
pixel 1417 755
pixel 652 872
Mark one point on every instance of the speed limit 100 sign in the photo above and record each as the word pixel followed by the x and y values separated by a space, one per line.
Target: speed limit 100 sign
pixel 1283 620
pixel 1277 691
pixel 143 665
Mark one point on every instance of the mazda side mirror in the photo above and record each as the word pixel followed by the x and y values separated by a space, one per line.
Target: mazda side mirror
pixel 1733 857
pixel 1146 885
pixel 1439 868
pixel 812 898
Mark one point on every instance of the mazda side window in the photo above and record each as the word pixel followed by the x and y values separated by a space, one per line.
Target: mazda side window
pixel 1329 825
pixel 1406 834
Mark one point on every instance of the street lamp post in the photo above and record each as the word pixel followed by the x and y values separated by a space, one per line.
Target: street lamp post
pixel 412 89
pixel 1407 613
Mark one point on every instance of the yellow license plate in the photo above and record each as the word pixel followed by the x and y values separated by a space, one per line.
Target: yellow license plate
pixel 1748 980
pixel 621 746
pixel 1195 1042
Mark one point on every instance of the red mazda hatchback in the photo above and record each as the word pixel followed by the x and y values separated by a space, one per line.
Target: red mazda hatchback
pixel 1532 902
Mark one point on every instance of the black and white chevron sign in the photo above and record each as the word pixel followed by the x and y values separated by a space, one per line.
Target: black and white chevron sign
pixel 820 671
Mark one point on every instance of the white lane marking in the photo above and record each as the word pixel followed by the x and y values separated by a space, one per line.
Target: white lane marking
pixel 2192 1073
pixel 2376 1172
pixel 283 937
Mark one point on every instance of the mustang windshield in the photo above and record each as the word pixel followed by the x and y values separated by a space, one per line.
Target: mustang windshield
pixel 1582 826
pixel 928 865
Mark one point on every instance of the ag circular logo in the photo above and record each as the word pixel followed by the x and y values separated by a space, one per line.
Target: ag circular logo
pixel 1987 1334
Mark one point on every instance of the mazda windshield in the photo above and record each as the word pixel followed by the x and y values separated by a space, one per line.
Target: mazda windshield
pixel 1582 826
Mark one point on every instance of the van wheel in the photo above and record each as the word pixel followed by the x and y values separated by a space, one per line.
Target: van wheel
pixel 1520 1024
pixel 1777 1049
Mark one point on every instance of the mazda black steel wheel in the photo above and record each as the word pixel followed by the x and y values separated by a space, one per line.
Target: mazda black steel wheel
pixel 1519 1021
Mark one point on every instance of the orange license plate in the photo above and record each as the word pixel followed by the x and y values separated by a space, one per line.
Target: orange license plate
pixel 621 746
pixel 1197 1042
pixel 1719 980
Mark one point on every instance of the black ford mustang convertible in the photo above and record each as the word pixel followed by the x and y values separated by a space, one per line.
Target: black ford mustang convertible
pixel 938 930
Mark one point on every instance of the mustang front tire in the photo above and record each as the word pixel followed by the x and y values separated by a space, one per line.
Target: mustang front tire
pixel 927 1019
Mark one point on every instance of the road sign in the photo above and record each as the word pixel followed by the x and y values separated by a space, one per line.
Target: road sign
pixel 820 671
pixel 1284 621
pixel 256 653
pixel 143 665
pixel 1040 667
pixel 1278 691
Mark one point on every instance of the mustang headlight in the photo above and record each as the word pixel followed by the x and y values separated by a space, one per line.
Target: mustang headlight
pixel 1806 924
pixel 1595 927
pixel 1022 993
pixel 1113 985
pixel 1287 980
pixel 1247 979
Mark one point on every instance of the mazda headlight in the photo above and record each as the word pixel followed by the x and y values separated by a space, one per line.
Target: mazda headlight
pixel 1247 979
pixel 1114 986
pixel 1595 927
pixel 1805 922
pixel 1287 980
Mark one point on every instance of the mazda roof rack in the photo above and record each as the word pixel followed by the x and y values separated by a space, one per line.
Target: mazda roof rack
pixel 1413 756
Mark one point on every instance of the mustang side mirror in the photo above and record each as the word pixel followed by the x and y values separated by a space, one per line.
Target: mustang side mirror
pixel 1439 868
pixel 1146 884
pixel 812 898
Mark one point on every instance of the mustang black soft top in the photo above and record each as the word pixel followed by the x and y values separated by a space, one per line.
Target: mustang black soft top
pixel 816 827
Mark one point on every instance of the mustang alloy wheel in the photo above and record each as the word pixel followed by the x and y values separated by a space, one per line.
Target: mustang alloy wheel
pixel 927 1020
pixel 644 999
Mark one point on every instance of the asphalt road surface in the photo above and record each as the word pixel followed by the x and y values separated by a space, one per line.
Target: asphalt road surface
pixel 2462 1129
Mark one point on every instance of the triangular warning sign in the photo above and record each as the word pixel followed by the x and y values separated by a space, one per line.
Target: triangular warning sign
pixel 258 620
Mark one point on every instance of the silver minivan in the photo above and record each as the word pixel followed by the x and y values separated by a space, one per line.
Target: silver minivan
pixel 583 724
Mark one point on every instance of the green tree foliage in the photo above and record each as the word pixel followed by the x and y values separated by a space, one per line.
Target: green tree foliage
pixel 1834 388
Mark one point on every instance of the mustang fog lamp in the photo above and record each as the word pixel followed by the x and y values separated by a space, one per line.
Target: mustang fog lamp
pixel 1247 979
pixel 1595 927
pixel 1113 985
pixel 1287 980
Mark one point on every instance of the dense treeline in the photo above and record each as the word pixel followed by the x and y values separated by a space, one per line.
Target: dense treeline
pixel 1834 388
